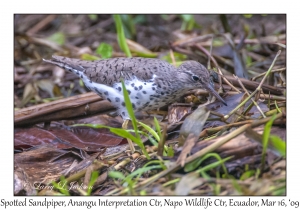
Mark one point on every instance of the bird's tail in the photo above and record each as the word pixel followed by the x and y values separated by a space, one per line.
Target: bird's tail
pixel 70 64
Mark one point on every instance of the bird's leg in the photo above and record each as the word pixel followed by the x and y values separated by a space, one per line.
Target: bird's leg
pixel 124 126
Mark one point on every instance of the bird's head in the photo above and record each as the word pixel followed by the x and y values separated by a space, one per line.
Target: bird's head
pixel 193 75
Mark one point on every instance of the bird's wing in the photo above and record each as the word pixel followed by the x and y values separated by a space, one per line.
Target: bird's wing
pixel 110 71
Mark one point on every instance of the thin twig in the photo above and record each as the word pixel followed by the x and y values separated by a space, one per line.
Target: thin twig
pixel 246 91
pixel 262 74
pixel 210 52
pixel 172 57
pixel 258 89
pixel 192 40
pixel 217 66
pixel 40 25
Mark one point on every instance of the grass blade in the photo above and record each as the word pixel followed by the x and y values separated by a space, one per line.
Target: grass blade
pixel 133 119
pixel 121 35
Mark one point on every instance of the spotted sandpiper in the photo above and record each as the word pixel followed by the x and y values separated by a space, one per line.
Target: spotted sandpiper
pixel 151 83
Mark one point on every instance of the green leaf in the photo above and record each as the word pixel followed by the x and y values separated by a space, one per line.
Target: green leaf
pixel 165 17
pixel 277 108
pixel 105 50
pixel 125 134
pixel 89 57
pixel 266 134
pixel 173 181
pixel 157 127
pixel 128 105
pixel 140 19
pixel 93 17
pixel 121 36
pixel 204 174
pixel 248 61
pixel 157 135
pixel 216 188
pixel 150 130
pixel 128 25
pixel 143 192
pixel 265 140
pixel 152 140
pixel 278 144
pixel 118 131
pixel 58 38
pixel 215 164
pixel 80 83
pixel 178 57
pixel 116 175
pixel 61 186
pixel 187 18
pixel 188 22
pixel 217 42
pixel 137 173
pixel 140 171
pixel 247 15
pixel 145 55
pixel 195 164
pixel 94 178
pixel 160 162
pixel 129 108
pixel 236 186
pixel 170 152
pixel 247 174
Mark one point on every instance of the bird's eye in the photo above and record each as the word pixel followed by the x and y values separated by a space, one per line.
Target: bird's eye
pixel 195 78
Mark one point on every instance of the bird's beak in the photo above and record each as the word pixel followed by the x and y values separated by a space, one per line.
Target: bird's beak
pixel 210 88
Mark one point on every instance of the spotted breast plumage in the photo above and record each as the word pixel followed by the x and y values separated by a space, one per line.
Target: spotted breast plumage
pixel 151 83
